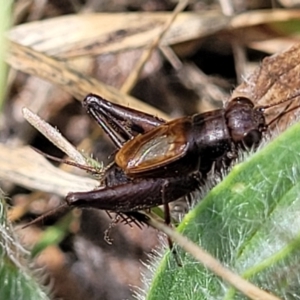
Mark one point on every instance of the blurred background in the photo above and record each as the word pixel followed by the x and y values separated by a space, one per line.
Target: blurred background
pixel 62 50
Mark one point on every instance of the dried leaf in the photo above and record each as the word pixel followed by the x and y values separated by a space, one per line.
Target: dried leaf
pixel 93 34
pixel 27 168
pixel 276 79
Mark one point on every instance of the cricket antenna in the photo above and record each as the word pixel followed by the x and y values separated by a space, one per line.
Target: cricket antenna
pixel 47 214
pixel 280 102
pixel 264 107
pixel 282 114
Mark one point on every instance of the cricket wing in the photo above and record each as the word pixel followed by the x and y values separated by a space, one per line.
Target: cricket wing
pixel 156 148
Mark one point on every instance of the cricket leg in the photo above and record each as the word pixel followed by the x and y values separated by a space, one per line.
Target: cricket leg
pixel 135 195
pixel 120 123
pixel 168 222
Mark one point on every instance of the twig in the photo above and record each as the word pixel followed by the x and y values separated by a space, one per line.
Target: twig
pixel 133 77
pixel 212 264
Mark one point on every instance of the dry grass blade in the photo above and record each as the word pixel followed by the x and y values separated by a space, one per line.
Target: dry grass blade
pixel 253 18
pixel 89 34
pixel 27 168
pixel 264 31
pixel 133 76
pixel 75 35
pixel 34 63
pixel 54 136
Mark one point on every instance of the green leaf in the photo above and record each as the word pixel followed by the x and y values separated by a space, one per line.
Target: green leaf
pixel 250 222
pixel 290 27
pixel 17 277
pixel 5 20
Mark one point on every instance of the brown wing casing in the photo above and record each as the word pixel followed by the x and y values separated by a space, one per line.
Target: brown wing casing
pixel 156 148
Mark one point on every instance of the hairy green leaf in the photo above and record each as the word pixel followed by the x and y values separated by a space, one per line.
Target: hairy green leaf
pixel 250 222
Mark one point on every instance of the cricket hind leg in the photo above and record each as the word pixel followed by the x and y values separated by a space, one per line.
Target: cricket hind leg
pixel 119 123
pixel 137 194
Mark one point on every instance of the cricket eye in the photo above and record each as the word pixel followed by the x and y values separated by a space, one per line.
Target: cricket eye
pixel 252 138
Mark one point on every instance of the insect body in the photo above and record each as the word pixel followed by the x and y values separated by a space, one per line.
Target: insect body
pixel 197 141
pixel 158 162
